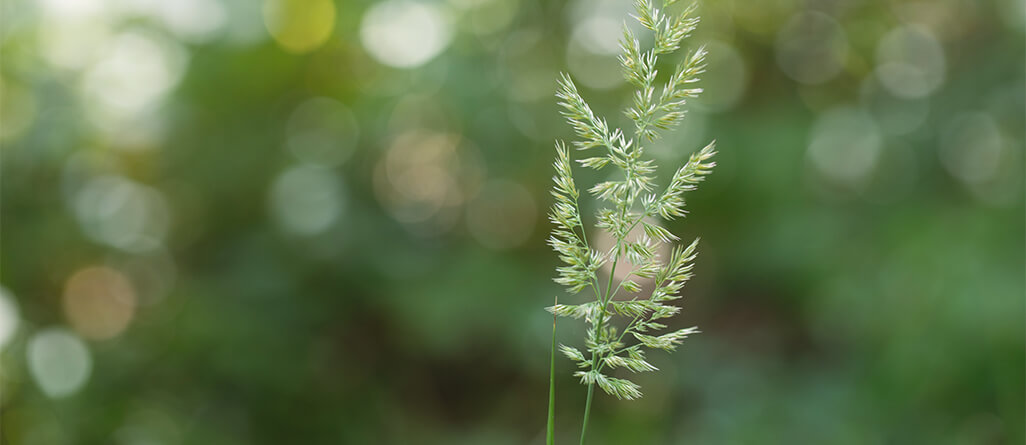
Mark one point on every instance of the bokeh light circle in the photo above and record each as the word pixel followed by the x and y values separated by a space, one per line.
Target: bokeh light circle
pixel 592 70
pixel 598 34
pixel 812 48
pixel 124 88
pixel 727 82
pixel 425 178
pixel 135 73
pixel 910 62
pixel 306 199
pixel 844 145
pixel 99 302
pixel 245 25
pixel 420 177
pixel 299 26
pixel 591 52
pixel 58 361
pixel 74 32
pixel 10 317
pixel 197 21
pixel 404 34
pixel 121 213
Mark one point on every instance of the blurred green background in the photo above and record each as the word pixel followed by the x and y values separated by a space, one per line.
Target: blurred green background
pixel 306 221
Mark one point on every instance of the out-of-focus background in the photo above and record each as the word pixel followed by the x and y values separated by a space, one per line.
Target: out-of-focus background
pixel 307 221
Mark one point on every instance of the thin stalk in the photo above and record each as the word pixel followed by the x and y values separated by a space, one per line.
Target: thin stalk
pixel 591 389
pixel 638 179
pixel 598 332
pixel 551 427
pixel 587 411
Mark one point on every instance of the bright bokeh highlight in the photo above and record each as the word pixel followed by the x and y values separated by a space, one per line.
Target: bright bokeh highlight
pixel 404 34
pixel 59 361
pixel 299 26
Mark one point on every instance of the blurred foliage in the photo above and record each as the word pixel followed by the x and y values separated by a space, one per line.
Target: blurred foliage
pixel 227 221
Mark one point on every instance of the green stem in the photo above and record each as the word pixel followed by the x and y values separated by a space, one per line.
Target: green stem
pixel 587 411
pixel 598 332
pixel 604 300
pixel 595 357
pixel 551 426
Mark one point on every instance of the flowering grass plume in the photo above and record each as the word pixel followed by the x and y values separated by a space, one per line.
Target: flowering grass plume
pixel 623 322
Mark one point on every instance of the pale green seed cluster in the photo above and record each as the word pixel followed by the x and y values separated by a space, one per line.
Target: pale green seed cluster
pixel 630 199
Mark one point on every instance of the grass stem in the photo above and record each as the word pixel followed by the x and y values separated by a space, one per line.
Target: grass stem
pixel 587 412
pixel 551 424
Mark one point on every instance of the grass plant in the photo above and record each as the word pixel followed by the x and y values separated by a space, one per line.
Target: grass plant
pixel 626 316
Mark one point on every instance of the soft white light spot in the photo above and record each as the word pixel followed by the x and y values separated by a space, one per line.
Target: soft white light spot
pixel 971 146
pixel 59 362
pixel 123 90
pixel 136 72
pixel 595 41
pixel 593 70
pixel 322 131
pixel 404 34
pixel 72 9
pixel 9 317
pixel 245 24
pixel 598 35
pixel 502 215
pixel 910 62
pixel 306 200
pixel 812 48
pixel 844 145
pixel 726 80
pixel 121 213
pixel 192 20
pixel 73 33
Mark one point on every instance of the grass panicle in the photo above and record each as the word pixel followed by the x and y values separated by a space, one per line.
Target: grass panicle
pixel 620 330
